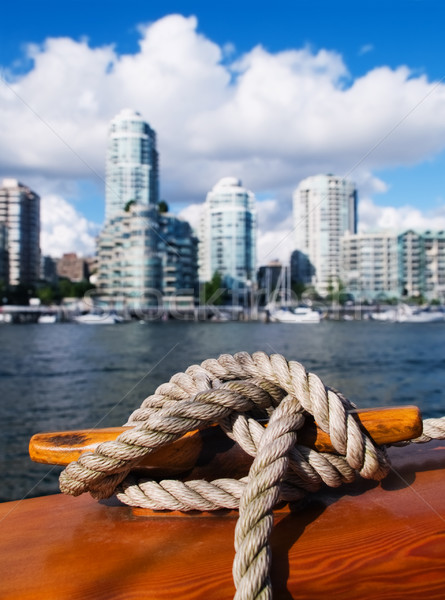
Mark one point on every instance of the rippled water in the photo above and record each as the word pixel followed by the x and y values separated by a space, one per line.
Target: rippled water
pixel 68 376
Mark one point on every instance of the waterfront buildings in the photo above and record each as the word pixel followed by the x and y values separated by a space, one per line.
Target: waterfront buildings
pixel 383 265
pixel 325 208
pixel 370 265
pixel 228 236
pixel 20 215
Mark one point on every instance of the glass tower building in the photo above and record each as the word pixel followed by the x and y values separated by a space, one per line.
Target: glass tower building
pixel 132 163
pixel 20 214
pixel 325 208
pixel 228 235
pixel 130 267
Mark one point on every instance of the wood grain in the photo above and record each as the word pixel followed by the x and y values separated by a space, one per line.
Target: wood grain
pixel 370 541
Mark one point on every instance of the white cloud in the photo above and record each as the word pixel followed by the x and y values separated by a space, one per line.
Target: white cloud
pixel 269 118
pixel 373 217
pixel 63 229
pixel 192 213
pixel 275 232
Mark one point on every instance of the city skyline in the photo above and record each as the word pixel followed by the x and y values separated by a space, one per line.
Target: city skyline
pixel 342 92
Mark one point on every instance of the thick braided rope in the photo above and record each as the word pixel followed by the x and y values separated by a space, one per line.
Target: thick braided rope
pixel 235 391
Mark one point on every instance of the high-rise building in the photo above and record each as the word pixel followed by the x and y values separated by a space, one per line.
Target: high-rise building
pixel 20 213
pixel 325 208
pixel 141 254
pixel 132 164
pixel 129 267
pixel 228 235
pixel 370 265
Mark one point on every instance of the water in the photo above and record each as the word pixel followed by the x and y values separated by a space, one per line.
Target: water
pixel 69 376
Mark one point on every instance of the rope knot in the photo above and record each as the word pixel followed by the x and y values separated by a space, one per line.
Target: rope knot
pixel 238 392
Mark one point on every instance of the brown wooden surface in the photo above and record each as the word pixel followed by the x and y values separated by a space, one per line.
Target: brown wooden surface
pixel 371 541
pixel 384 425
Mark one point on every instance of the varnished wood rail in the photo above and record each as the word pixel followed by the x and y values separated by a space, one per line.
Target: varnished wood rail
pixel 384 425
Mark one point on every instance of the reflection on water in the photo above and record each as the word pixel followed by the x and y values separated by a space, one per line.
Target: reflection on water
pixel 68 376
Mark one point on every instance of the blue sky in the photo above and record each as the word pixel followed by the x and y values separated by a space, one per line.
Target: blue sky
pixel 381 62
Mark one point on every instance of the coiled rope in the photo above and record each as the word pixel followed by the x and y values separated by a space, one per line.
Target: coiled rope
pixel 235 392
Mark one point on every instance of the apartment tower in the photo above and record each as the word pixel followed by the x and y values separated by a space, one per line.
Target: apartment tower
pixel 129 267
pixel 131 165
pixel 325 208
pixel 20 216
pixel 228 235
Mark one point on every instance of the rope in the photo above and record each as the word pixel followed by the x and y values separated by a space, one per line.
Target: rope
pixel 236 392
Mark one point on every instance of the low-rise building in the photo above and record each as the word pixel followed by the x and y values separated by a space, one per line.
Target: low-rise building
pixel 129 265
pixel 178 247
pixel 370 265
pixel 386 265
pixel 434 247
pixel 422 264
pixel 270 280
pixel 72 267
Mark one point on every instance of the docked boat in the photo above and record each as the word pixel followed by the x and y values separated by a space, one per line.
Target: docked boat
pixel 300 314
pixel 98 319
pixel 420 316
pixel 403 313
pixel 47 319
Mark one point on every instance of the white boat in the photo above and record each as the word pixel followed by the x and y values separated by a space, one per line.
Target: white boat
pixel 47 319
pixel 99 319
pixel 300 314
pixel 404 313
pixel 420 316
pixel 389 315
